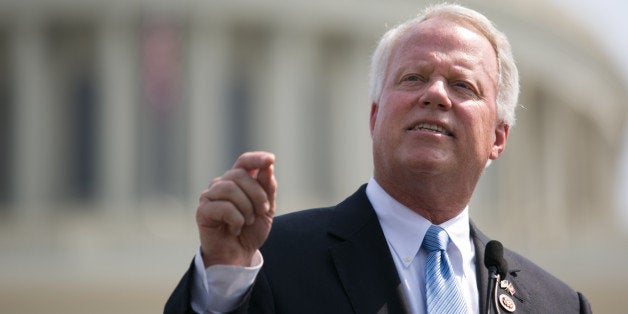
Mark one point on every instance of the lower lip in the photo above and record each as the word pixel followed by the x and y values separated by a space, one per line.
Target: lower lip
pixel 427 132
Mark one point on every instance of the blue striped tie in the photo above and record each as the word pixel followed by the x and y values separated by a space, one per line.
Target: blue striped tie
pixel 443 294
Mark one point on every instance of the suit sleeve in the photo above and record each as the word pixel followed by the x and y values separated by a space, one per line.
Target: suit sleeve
pixel 179 301
pixel 259 300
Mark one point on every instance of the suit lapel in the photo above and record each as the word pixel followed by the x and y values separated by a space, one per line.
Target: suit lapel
pixel 513 275
pixel 362 258
pixel 479 241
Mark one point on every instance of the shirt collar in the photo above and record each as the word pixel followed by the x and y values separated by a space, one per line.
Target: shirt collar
pixel 404 229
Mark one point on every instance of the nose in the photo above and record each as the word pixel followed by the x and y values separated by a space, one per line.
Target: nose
pixel 435 96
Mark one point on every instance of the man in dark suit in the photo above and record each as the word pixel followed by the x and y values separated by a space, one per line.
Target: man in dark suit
pixel 444 90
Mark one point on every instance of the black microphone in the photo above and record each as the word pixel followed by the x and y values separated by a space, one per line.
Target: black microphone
pixel 494 258
pixel 497 267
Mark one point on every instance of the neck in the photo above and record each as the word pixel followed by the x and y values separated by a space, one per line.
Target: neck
pixel 436 200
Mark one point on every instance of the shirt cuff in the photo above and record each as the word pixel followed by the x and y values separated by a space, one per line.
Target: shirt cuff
pixel 221 288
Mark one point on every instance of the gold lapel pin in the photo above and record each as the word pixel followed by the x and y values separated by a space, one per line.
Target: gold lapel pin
pixel 507 303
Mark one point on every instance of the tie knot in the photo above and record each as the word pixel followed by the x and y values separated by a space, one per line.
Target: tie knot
pixel 435 239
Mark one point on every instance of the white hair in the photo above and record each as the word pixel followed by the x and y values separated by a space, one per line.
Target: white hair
pixel 508 76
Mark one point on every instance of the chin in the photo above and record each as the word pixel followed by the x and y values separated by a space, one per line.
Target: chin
pixel 426 165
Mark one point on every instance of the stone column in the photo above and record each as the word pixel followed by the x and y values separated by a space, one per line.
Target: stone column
pixel 34 127
pixel 209 60
pixel 350 141
pixel 556 124
pixel 279 120
pixel 119 84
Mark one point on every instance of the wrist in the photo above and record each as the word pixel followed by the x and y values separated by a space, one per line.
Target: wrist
pixel 242 259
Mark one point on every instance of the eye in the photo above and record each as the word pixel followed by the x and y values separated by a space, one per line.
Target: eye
pixel 466 88
pixel 411 78
pixel 464 85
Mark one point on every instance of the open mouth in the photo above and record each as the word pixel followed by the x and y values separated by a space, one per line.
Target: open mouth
pixel 430 127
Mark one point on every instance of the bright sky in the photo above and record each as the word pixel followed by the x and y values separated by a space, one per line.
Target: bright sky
pixel 607 19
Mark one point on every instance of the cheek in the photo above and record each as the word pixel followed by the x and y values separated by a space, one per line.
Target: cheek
pixel 397 104
pixel 386 121
pixel 482 123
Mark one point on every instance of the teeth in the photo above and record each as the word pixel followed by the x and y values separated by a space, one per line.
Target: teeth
pixel 430 127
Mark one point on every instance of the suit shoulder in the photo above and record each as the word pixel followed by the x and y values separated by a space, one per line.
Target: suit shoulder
pixel 341 219
pixel 539 285
pixel 302 220
pixel 304 226
pixel 518 263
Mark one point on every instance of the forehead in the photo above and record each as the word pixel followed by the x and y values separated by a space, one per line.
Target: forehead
pixel 439 36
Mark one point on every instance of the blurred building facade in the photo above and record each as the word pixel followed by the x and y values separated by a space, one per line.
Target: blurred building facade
pixel 114 115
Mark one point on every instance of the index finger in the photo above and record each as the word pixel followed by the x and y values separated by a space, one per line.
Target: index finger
pixel 253 161
pixel 266 179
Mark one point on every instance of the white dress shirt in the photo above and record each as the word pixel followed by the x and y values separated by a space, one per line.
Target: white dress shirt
pixel 220 288
pixel 404 231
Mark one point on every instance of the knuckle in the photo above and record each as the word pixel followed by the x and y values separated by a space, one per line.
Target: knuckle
pixel 204 207
pixel 214 211
pixel 238 174
pixel 259 196
pixel 221 190
pixel 214 181
pixel 242 157
pixel 204 196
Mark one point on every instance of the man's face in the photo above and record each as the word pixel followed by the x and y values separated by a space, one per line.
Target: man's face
pixel 437 111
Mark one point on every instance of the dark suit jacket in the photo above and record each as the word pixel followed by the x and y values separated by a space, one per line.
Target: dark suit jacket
pixel 336 260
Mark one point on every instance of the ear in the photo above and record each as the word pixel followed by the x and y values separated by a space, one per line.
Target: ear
pixel 374 109
pixel 501 137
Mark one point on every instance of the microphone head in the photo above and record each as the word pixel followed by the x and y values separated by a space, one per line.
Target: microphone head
pixel 494 257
